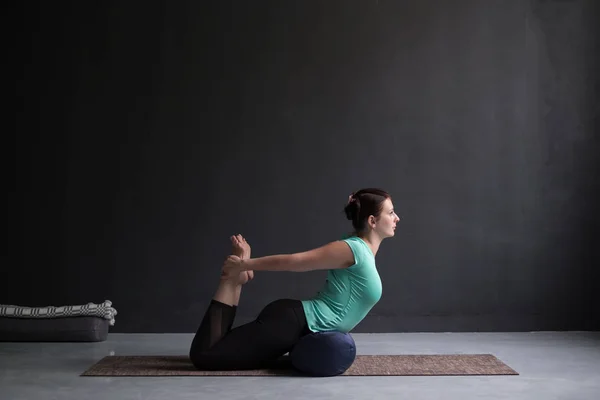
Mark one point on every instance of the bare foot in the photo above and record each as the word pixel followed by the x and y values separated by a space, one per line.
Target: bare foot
pixel 241 248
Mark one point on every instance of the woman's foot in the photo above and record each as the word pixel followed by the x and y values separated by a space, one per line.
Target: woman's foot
pixel 241 248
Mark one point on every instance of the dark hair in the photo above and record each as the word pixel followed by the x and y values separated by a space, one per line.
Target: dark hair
pixel 364 203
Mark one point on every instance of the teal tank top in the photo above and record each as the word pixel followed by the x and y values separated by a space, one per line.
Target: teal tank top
pixel 348 294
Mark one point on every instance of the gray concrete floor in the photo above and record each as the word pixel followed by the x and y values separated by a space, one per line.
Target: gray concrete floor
pixel 552 365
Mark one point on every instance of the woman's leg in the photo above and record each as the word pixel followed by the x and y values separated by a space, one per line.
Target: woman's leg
pixel 220 314
pixel 256 344
pixel 277 328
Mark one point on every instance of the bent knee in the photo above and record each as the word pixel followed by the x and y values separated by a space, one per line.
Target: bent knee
pixel 211 361
pixel 204 360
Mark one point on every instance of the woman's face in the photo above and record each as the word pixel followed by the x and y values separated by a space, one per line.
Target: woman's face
pixel 385 225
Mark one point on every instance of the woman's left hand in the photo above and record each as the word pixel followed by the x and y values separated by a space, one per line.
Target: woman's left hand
pixel 232 267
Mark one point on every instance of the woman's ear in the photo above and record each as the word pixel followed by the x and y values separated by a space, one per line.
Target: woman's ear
pixel 372 221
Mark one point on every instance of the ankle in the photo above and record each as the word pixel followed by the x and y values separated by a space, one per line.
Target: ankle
pixel 228 293
pixel 230 284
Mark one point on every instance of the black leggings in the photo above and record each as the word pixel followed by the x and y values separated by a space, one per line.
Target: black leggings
pixel 254 345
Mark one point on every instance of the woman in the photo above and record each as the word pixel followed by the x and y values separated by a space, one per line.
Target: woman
pixel 352 288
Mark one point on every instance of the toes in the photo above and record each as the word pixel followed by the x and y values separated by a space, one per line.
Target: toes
pixel 238 240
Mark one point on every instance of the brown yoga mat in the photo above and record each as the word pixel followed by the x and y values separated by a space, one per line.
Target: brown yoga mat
pixel 364 365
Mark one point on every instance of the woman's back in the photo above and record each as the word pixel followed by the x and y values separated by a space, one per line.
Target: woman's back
pixel 348 294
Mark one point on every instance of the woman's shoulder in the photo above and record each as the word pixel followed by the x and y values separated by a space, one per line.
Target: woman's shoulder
pixel 359 247
pixel 349 236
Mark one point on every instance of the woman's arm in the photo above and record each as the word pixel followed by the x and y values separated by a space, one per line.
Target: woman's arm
pixel 330 256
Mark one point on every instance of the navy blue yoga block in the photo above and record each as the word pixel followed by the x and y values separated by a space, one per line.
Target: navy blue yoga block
pixel 324 353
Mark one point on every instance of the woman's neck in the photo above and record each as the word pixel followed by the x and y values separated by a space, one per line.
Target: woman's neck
pixel 372 240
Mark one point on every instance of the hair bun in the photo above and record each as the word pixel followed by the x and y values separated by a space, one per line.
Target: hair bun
pixel 352 208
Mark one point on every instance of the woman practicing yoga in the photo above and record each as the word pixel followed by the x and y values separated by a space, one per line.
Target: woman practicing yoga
pixel 352 288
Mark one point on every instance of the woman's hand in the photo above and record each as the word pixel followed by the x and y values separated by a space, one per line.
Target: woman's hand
pixel 232 267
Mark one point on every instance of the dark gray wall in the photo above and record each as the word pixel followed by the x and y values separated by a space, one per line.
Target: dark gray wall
pixel 148 133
